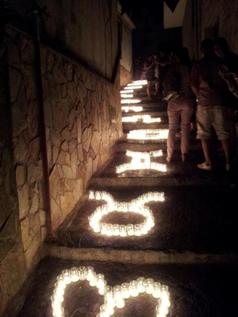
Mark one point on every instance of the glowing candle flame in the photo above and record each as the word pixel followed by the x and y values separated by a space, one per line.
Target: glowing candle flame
pixel 114 297
pixel 145 118
pixel 126 91
pixel 133 87
pixel 139 82
pixel 130 101
pixel 132 108
pixel 148 134
pixel 127 95
pixel 135 206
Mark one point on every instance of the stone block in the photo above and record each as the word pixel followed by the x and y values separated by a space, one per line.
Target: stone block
pixel 31 254
pixel 34 203
pixel 20 150
pixel 74 157
pixel 65 146
pixel 95 142
pixel 34 172
pixel 80 152
pixel 20 175
pixel 79 129
pixel 86 138
pixel 68 171
pixel 43 233
pixel 67 202
pixel 42 215
pixel 53 180
pixel 16 79
pixel 56 213
pixel 72 146
pixel 25 232
pixel 23 201
pixel 63 158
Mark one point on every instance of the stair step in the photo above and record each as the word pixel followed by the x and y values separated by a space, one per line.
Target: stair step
pixel 163 181
pixel 192 289
pixel 138 256
pixel 124 145
pixel 183 221
pixel 140 125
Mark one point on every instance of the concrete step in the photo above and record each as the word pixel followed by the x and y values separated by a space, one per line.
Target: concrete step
pixel 123 146
pixel 140 125
pixel 193 219
pixel 193 290
pixel 151 113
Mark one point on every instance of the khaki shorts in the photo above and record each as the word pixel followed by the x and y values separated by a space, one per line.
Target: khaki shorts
pixel 216 117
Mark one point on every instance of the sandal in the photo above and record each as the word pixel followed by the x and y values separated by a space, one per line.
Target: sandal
pixel 205 166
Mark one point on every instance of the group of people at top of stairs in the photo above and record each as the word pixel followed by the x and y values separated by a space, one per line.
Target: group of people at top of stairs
pixel 204 92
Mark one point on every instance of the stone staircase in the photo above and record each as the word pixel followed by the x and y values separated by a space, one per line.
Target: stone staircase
pixel 190 250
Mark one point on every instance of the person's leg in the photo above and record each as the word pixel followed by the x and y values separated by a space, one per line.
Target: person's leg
pixel 173 116
pixel 203 117
pixel 206 150
pixel 149 89
pixel 186 115
pixel 223 125
pixel 226 148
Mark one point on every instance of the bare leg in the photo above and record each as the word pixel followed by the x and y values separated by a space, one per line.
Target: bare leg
pixel 226 149
pixel 206 150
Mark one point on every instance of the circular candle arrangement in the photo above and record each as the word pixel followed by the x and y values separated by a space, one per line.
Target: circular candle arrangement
pixel 114 297
pixel 136 206
pixel 142 161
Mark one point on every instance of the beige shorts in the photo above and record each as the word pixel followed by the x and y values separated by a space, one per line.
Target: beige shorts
pixel 216 117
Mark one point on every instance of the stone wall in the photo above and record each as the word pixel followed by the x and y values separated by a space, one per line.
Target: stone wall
pixel 125 76
pixel 86 28
pixel 209 19
pixel 219 18
pixel 26 143
pixel 127 27
pixel 12 260
pixel 83 121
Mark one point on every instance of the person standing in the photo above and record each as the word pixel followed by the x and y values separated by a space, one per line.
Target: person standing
pixel 212 112
pixel 229 73
pixel 179 97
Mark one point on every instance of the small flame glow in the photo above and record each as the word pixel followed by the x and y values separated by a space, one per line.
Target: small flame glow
pixel 114 297
pixel 139 82
pixel 133 87
pixel 145 118
pixel 130 101
pixel 127 95
pixel 135 206
pixel 132 108
pixel 148 134
pixel 126 91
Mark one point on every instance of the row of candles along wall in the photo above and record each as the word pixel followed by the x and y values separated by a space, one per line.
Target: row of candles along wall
pixel 114 297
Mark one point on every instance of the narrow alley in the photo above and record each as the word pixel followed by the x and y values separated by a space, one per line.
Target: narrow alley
pixel 144 221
